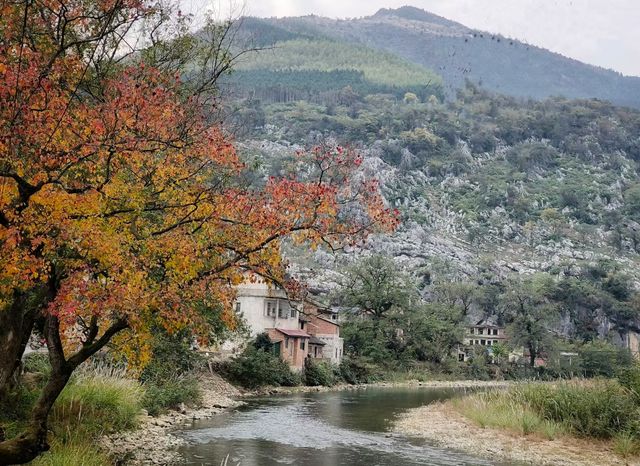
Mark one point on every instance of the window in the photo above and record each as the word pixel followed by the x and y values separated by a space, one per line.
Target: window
pixel 483 342
pixel 302 343
pixel 286 342
pixel 480 331
pixel 495 331
pixel 270 309
pixel 472 330
pixel 282 313
pixel 293 313
pixel 237 307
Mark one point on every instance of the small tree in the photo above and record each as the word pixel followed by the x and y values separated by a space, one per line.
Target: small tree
pixel 375 286
pixel 529 312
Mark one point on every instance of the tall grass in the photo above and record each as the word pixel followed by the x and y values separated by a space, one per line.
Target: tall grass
pixel 77 452
pixel 601 409
pixel 492 409
pixel 597 408
pixel 98 399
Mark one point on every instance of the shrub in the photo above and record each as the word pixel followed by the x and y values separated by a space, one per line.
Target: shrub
pixel 172 356
pixel 169 378
pixel 354 371
pixel 601 359
pixel 630 378
pixel 256 368
pixel 318 373
pixel 170 393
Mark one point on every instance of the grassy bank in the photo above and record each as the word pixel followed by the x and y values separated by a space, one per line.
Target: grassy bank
pixel 100 399
pixel 604 410
pixel 97 400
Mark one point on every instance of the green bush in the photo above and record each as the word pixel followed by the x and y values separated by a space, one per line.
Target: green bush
pixel 256 368
pixel 172 356
pixel 318 374
pixel 169 378
pixel 601 359
pixel 170 393
pixel 630 378
pixel 355 371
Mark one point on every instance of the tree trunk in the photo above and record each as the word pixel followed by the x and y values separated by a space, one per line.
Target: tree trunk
pixel 33 441
pixel 16 325
pixel 532 356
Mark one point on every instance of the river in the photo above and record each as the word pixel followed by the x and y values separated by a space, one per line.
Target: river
pixel 351 428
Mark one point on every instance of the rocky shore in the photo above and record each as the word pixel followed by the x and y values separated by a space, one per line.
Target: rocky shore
pixel 443 425
pixel 154 442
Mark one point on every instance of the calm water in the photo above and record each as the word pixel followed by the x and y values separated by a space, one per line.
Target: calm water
pixel 342 428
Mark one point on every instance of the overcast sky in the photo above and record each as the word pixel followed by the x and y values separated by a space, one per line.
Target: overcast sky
pixel 600 32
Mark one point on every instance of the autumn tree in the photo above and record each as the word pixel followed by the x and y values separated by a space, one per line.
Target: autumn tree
pixel 122 201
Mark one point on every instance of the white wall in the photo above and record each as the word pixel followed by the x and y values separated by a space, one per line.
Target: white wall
pixel 333 348
pixel 253 298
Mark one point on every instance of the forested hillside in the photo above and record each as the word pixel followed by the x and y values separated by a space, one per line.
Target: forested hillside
pixel 458 53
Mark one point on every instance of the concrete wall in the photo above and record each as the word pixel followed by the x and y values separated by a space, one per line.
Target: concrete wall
pixel 256 299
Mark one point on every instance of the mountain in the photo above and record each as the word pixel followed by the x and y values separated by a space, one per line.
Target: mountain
pixel 489 185
pixel 459 54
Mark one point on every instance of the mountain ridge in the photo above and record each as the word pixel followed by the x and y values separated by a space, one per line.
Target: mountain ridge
pixel 460 54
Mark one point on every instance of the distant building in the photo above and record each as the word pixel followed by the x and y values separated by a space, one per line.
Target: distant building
pixel 322 322
pixel 484 333
pixel 297 329
pixel 292 345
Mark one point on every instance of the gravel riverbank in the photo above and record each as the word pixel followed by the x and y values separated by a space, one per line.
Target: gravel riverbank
pixel 154 442
pixel 443 425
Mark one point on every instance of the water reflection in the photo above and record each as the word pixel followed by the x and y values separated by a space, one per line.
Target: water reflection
pixel 342 428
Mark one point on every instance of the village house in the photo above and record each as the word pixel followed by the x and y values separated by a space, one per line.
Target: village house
pixel 321 322
pixel 297 329
pixel 484 332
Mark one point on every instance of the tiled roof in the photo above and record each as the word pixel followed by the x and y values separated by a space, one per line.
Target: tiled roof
pixel 316 341
pixel 293 332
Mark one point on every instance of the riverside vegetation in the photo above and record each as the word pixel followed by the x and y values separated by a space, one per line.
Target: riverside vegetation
pixel 547 417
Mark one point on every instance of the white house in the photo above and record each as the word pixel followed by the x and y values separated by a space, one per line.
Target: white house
pixel 309 327
pixel 265 306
